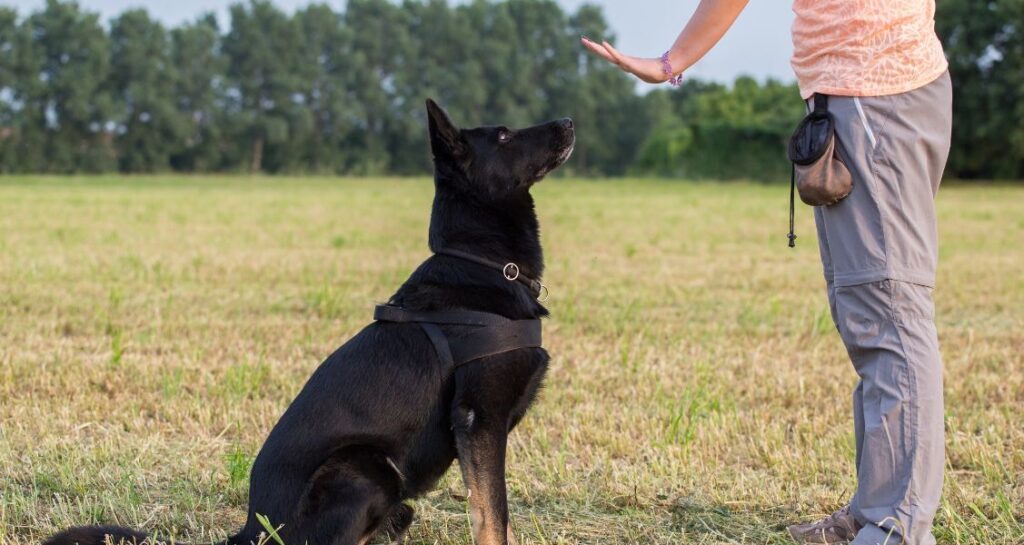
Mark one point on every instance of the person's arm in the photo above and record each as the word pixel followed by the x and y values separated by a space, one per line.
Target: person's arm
pixel 705 28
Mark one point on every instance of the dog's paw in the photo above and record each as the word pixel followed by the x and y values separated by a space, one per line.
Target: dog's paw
pixel 398 524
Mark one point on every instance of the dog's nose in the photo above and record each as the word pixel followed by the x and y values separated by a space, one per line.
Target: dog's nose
pixel 567 123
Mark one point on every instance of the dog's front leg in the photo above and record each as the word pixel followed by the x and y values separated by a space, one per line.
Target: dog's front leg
pixel 481 439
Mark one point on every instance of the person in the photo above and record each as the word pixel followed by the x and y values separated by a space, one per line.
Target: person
pixel 883 68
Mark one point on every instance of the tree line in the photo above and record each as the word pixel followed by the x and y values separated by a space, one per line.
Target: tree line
pixel 333 91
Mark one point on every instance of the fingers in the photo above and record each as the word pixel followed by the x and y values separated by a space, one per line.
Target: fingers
pixel 638 67
pixel 620 59
pixel 627 63
pixel 598 49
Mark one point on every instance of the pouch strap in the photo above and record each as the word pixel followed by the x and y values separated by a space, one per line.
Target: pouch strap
pixel 821 107
pixel 820 103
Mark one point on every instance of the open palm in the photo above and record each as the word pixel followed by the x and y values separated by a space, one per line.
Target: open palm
pixel 647 69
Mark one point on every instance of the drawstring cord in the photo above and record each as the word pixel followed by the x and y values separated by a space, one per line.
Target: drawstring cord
pixel 792 206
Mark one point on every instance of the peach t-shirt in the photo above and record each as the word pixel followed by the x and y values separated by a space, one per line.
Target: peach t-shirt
pixel 865 47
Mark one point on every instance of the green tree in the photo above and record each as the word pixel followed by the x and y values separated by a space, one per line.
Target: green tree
pixel 9 138
pixel 142 76
pixel 513 97
pixel 200 69
pixel 326 89
pixel 64 70
pixel 612 120
pixel 380 50
pixel 712 131
pixel 444 63
pixel 984 42
pixel 264 97
pixel 665 147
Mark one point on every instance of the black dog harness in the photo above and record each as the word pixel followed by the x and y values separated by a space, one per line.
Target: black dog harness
pixel 491 334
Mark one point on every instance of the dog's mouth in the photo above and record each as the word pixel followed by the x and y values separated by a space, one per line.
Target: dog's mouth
pixel 559 160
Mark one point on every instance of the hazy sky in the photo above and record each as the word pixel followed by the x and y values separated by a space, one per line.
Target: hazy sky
pixel 758 45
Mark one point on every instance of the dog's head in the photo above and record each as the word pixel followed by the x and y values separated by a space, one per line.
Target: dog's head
pixel 495 163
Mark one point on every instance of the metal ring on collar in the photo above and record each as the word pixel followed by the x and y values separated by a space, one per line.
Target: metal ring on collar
pixel 511 271
pixel 543 295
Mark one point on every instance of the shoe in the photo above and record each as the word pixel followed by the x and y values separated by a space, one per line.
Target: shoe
pixel 839 528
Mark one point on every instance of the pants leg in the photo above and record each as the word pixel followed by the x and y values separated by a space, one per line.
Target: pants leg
pixel 879 251
pixel 888 330
pixel 826 262
pixel 830 288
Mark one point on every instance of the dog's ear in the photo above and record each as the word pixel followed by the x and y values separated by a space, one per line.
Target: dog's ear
pixel 445 139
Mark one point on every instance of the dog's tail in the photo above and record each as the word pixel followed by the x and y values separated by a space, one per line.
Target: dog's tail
pixel 109 535
pixel 97 535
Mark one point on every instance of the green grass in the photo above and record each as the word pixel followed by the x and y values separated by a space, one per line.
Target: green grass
pixel 153 329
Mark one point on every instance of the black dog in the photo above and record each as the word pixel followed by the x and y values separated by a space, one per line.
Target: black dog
pixel 449 368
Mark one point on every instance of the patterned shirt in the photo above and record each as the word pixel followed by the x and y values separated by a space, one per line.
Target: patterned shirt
pixel 865 47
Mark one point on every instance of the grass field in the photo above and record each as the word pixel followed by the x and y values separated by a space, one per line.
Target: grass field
pixel 153 329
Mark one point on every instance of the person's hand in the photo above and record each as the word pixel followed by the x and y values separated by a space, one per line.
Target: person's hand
pixel 648 70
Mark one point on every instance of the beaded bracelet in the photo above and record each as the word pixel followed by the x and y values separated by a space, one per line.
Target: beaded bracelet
pixel 666 67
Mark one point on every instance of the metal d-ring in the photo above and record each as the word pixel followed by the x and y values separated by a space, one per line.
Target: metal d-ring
pixel 511 271
pixel 543 296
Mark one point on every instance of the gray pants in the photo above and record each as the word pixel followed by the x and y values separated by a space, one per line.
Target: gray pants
pixel 879 250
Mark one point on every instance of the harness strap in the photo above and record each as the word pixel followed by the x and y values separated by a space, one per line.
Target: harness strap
pixel 388 313
pixel 509 270
pixel 494 335
pixel 492 340
pixel 440 343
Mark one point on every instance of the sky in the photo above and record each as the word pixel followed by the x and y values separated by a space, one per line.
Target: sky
pixel 758 44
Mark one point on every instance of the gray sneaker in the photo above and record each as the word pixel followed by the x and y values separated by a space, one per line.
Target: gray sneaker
pixel 839 528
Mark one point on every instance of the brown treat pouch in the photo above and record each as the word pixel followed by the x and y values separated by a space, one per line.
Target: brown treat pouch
pixel 821 177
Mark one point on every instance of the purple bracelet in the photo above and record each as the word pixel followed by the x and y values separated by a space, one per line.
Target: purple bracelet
pixel 666 67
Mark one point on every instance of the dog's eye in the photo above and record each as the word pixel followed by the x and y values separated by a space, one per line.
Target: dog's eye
pixel 504 136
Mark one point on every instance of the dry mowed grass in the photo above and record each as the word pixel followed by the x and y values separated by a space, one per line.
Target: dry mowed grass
pixel 153 329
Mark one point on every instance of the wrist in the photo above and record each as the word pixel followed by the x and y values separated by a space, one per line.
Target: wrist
pixel 682 57
pixel 670 71
pixel 679 58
